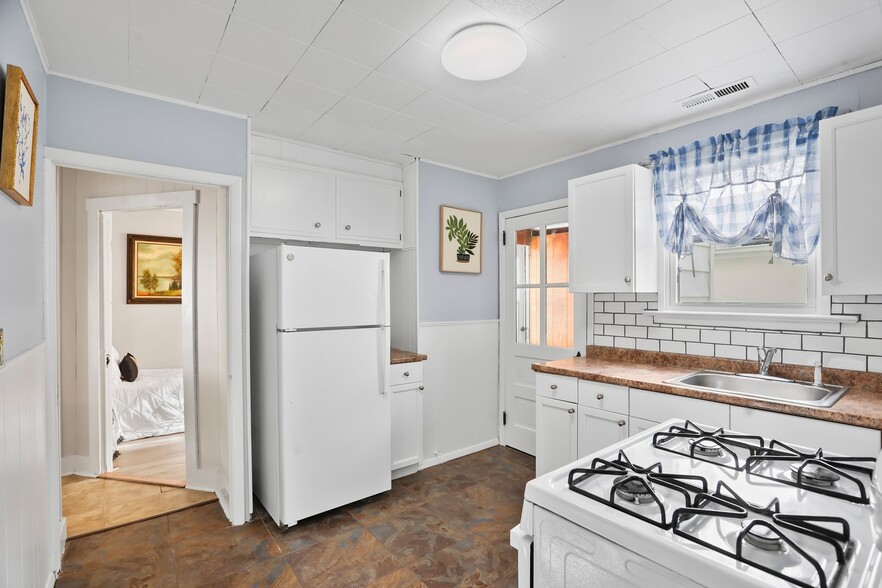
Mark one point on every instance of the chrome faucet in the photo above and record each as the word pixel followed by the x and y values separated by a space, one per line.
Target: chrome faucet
pixel 765 356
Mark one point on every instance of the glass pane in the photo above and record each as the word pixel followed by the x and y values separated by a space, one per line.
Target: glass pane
pixel 527 256
pixel 559 319
pixel 557 239
pixel 527 316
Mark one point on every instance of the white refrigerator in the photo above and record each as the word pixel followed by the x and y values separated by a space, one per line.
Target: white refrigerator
pixel 319 371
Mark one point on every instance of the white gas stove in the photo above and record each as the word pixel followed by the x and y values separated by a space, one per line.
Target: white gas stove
pixel 688 505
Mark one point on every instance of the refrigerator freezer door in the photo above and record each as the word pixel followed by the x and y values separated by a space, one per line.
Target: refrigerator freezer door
pixel 332 288
pixel 334 420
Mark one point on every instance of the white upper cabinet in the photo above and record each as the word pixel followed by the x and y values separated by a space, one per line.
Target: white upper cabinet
pixel 612 232
pixel 369 210
pixel 291 201
pixel 300 202
pixel 851 204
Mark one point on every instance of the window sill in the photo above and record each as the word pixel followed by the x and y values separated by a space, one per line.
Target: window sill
pixel 816 323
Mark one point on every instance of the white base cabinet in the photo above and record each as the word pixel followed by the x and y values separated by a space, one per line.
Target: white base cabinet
pixel 407 418
pixel 556 434
pixel 637 425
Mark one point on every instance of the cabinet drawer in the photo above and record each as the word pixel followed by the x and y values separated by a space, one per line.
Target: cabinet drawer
pixel 603 396
pixel 406 373
pixel 557 387
pixel 659 407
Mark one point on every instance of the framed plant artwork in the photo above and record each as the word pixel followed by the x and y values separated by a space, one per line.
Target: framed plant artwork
pixel 18 154
pixel 153 270
pixel 462 240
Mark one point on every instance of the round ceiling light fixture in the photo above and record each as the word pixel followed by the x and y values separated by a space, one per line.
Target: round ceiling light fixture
pixel 484 52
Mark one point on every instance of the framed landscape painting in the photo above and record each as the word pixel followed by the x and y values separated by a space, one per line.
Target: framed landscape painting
pixel 153 270
pixel 462 240
pixel 18 153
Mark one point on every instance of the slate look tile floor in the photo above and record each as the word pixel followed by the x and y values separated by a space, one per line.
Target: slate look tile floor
pixel 444 526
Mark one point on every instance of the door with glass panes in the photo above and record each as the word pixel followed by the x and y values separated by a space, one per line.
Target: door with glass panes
pixel 543 320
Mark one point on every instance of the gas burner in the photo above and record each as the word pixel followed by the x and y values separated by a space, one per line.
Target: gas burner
pixel 762 537
pixel 706 447
pixel 633 489
pixel 813 475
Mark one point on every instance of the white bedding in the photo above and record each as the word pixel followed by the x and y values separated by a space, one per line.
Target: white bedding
pixel 152 405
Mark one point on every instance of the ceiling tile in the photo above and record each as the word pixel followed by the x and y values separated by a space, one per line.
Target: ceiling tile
pixel 85 63
pixel 328 71
pixel 546 120
pixel 302 95
pixel 160 81
pixel 728 43
pixel 658 72
pixel 839 46
pixel 416 64
pixel 452 115
pixel 616 52
pixel 329 132
pixel 358 113
pixel 637 8
pixel 233 76
pixel 405 16
pixel 678 21
pixel 284 120
pixel 510 103
pixel 766 66
pixel 592 99
pixel 150 50
pixel 788 18
pixel 516 12
pixel 458 15
pixel 572 24
pixel 260 47
pixel 385 91
pixel 373 142
pixel 64 22
pixel 404 126
pixel 233 101
pixel 759 4
pixel 192 24
pixel 298 19
pixel 358 38
pixel 225 6
pixel 105 9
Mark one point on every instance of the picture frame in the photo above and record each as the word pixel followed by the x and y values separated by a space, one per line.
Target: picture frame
pixel 462 240
pixel 153 269
pixel 18 153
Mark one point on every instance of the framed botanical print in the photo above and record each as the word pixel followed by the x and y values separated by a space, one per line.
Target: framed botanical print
pixel 18 154
pixel 461 240
pixel 153 270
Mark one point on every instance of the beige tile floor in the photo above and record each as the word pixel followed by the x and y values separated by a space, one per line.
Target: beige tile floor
pixel 444 526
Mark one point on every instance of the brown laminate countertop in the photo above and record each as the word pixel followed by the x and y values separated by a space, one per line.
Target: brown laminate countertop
pixel 402 356
pixel 861 405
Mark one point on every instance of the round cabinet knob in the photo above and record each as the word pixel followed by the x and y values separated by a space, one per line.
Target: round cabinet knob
pixel 828 277
pixel 627 280
pixel 290 257
pixel 348 227
pixel 572 410
pixel 422 387
pixel 554 386
pixel 406 374
pixel 621 423
pixel 318 225
pixel 600 396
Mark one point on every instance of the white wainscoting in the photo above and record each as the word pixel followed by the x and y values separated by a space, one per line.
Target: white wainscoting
pixel 461 399
pixel 29 554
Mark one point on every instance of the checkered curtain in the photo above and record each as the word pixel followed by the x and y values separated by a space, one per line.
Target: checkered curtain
pixel 733 188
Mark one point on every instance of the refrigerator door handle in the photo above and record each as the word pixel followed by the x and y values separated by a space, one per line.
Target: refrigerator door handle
pixel 383 319
pixel 383 351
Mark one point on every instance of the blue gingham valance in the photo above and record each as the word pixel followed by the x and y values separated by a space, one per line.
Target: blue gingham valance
pixel 736 187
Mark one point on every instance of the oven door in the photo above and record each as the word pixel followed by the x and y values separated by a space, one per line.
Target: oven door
pixel 566 555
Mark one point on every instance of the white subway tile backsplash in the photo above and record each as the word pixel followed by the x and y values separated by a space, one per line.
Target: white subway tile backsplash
pixel 874 329
pixel 875 299
pixel 613 307
pixel 598 307
pixel 687 335
pixel 603 341
pixel 660 332
pixel 845 362
pixel 858 329
pixel 626 342
pixel 638 332
pixel 711 336
pixel 652 306
pixel 625 296
pixel 801 357
pixel 783 341
pixel 874 364
pixel 647 296
pixel 835 308
pixel 863 346
pixel 868 312
pixel 626 319
pixel 598 329
pixel 731 351
pixel 648 344
pixel 851 298
pixel 604 297
pixel 673 346
pixel 635 307
pixel 603 318
pixel 745 338
pixel 614 330
pixel 700 349
pixel 821 343
pixel 645 320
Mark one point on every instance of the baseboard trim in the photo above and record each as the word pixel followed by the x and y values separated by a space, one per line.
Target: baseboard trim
pixel 204 479
pixel 80 465
pixel 445 457
pixel 405 471
pixel 223 498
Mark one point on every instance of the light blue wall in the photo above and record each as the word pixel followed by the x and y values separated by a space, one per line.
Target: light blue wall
pixel 95 119
pixel 451 296
pixel 21 227
pixel 550 182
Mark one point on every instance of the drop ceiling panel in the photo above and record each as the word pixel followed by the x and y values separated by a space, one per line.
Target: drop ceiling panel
pixel 329 71
pixel 260 47
pixel 405 16
pixel 191 23
pixel 614 53
pixel 358 38
pixel 516 12
pixel 415 63
pixel 451 115
pixel 176 59
pixel 284 120
pixel 85 63
pixel 658 72
pixel 329 132
pixel 404 126
pixel 163 83
pixel 65 22
pixel 298 19
pixel 789 18
pixel 293 93
pixel 728 43
pixel 679 21
pixel 385 91
pixel 595 98
pixel 226 99
pixel 358 113
pixel 766 67
pixel 237 77
pixel 456 16
pixel 572 24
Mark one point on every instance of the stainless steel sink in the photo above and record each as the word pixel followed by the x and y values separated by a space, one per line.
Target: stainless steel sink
pixel 762 387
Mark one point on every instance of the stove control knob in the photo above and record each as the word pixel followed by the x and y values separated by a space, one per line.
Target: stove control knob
pixel 600 396
pixel 621 423
pixel 572 410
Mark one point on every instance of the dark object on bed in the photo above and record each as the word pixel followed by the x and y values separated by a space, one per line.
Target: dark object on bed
pixel 128 368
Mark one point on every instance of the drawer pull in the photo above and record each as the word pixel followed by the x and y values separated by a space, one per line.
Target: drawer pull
pixel 318 225
pixel 621 423
pixel 348 227
pixel 572 410
pixel 406 374
pixel 554 386
pixel 600 396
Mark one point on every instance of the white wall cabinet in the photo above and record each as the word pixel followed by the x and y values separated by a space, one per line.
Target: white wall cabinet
pixel 599 429
pixel 612 232
pixel 850 205
pixel 556 436
pixel 407 417
pixel 300 202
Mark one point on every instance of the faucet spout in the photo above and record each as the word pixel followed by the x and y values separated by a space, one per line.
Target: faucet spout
pixel 765 357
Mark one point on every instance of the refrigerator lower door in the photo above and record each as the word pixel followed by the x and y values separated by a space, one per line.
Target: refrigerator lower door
pixel 334 419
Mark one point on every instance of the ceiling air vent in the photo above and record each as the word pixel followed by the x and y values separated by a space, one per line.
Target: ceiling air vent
pixel 718 93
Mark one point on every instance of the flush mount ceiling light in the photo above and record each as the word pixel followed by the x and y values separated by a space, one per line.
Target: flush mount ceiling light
pixel 484 52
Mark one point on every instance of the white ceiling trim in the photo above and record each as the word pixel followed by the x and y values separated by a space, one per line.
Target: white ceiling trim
pixel 457 168
pixel 37 40
pixel 385 162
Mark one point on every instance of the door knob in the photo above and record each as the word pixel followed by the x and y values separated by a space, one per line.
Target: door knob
pixel 318 225
pixel 572 410
pixel 600 396
pixel 347 227
pixel 621 423
pixel 422 387
pixel 627 280
pixel 828 277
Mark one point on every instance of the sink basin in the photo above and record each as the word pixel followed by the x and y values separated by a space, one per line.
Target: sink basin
pixel 762 387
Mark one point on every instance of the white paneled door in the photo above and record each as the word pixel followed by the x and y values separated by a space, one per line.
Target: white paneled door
pixel 542 319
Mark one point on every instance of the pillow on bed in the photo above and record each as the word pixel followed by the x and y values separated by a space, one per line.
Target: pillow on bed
pixel 115 374
pixel 128 368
